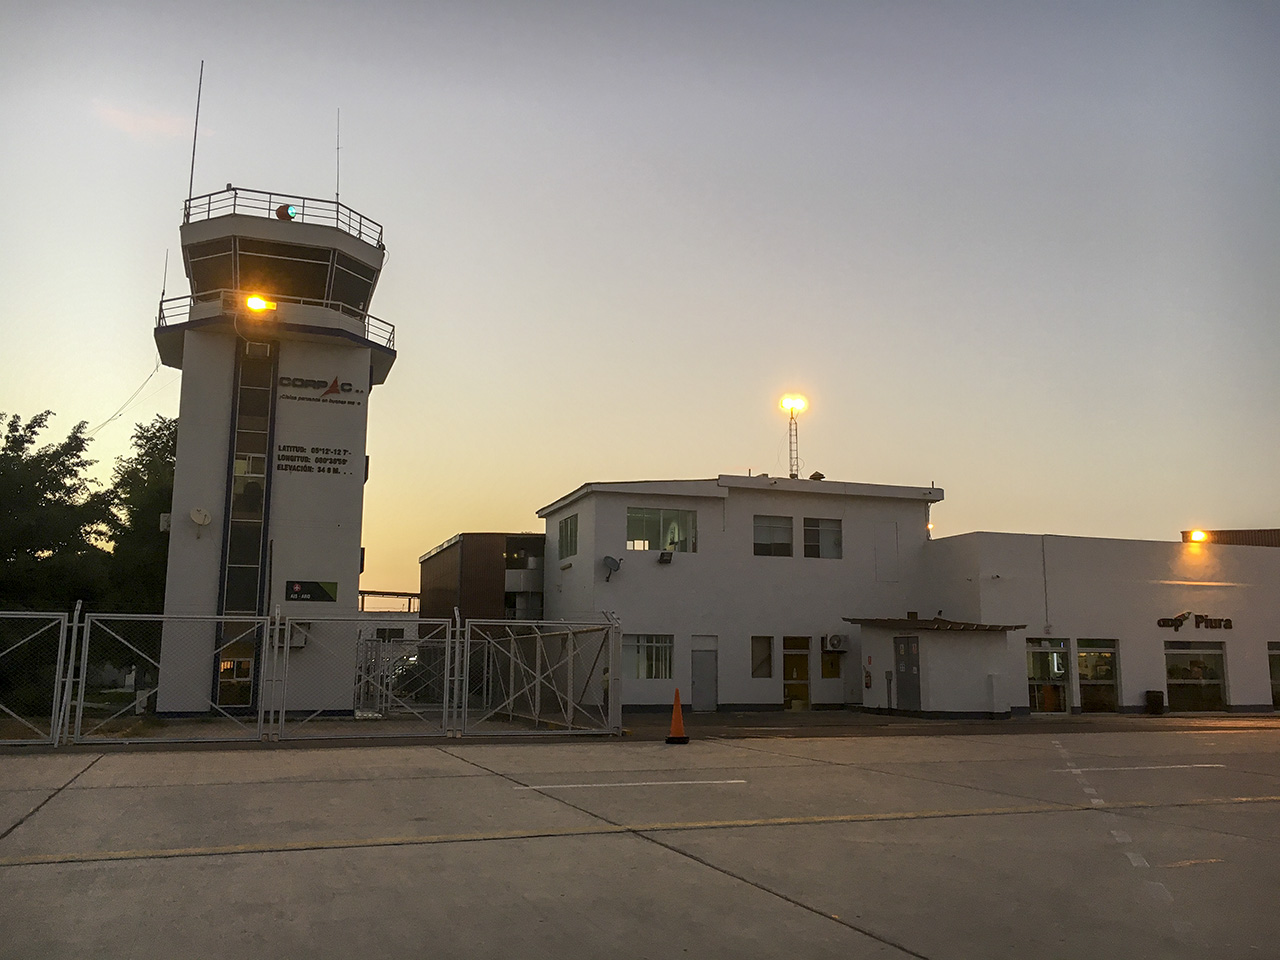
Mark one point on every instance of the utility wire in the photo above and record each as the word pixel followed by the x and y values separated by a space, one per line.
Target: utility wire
pixel 124 406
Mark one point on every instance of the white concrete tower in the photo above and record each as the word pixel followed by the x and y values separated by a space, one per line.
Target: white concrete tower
pixel 278 354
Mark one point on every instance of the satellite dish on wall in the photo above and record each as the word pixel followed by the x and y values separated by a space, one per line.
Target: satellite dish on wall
pixel 613 565
pixel 200 517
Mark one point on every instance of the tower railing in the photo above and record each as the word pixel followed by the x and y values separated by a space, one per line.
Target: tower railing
pixel 175 310
pixel 265 203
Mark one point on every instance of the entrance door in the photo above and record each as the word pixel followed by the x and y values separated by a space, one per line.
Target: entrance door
pixel 1047 680
pixel 906 662
pixel 795 673
pixel 705 698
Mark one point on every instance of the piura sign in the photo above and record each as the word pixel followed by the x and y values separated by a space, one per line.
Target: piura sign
pixel 1199 619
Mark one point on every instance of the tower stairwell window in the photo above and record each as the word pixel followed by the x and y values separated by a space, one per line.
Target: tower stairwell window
pixel 649 528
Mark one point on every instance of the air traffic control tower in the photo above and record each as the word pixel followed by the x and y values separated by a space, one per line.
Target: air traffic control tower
pixel 279 355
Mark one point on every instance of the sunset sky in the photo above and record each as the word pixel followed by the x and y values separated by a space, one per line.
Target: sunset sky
pixel 1025 251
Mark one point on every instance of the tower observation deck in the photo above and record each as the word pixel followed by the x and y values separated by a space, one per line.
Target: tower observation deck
pixel 279 355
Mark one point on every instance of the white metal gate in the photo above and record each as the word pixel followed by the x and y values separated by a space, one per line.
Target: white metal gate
pixel 33 651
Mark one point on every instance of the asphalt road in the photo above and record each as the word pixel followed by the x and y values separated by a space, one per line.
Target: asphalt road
pixel 1135 843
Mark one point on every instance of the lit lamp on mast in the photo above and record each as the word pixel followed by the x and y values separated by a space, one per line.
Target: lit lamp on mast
pixel 793 405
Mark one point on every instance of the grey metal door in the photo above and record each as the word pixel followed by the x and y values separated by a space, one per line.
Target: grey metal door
pixel 906 661
pixel 705 697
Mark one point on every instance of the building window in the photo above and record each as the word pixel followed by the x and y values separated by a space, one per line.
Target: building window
pixel 1097 666
pixel 647 656
pixel 762 657
pixel 1047 678
pixel 568 536
pixel 1196 675
pixel 772 536
pixel 822 539
pixel 1273 655
pixel 649 528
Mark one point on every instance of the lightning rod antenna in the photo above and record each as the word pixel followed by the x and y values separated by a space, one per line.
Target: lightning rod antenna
pixel 195 132
pixel 337 162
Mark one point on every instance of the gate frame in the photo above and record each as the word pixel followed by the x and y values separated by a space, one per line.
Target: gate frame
pixel 55 713
pixel 86 629
pixel 612 628
pixel 446 727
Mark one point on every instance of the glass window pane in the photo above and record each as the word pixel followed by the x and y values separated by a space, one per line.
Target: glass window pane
pixel 242 590
pixel 251 442
pixel 247 498
pixel 254 402
pixel 255 373
pixel 773 537
pixel 762 657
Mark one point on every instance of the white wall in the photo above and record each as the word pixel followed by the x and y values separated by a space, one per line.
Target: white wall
pixel 200 475
pixel 316 515
pixel 1076 587
pixel 725 590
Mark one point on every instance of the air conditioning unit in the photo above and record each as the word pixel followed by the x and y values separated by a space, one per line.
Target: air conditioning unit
pixel 835 643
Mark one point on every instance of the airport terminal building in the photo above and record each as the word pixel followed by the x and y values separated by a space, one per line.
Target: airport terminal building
pixel 778 593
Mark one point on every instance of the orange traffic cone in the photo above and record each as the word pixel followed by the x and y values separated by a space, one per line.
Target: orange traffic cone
pixel 677 722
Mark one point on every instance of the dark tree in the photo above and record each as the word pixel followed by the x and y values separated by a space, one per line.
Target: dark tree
pixel 143 487
pixel 53 524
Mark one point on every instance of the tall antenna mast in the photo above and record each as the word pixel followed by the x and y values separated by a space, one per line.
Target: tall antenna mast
pixel 195 132
pixel 793 405
pixel 337 179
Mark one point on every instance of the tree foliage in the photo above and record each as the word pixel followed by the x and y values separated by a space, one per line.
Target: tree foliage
pixel 63 539
pixel 53 523
pixel 143 489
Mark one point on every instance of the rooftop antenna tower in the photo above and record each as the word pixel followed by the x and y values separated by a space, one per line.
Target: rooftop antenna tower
pixel 195 132
pixel 793 405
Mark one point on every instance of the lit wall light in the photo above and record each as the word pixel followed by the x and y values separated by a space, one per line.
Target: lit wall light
pixel 259 304
pixel 1199 536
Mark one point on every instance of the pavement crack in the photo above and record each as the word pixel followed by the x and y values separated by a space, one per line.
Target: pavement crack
pixel 865 931
pixel 40 806
pixel 641 834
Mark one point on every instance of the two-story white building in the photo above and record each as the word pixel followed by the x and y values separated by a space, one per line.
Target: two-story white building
pixel 763 592
pixel 734 588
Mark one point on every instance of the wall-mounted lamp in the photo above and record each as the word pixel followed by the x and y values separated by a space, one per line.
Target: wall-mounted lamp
pixel 664 556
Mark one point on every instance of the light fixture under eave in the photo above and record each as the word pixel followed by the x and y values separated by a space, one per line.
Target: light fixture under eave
pixel 1199 536
pixel 259 304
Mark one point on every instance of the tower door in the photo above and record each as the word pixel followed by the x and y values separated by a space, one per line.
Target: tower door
pixel 906 668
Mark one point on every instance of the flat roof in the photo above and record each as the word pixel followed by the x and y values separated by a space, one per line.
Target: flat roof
pixel 720 486
pixel 457 538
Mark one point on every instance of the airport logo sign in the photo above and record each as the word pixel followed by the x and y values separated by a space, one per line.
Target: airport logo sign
pixel 1200 620
pixel 304 383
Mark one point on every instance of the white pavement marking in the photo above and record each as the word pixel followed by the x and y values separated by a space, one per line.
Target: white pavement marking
pixel 639 783
pixel 1121 836
pixel 1171 766
pixel 1159 891
pixel 1137 859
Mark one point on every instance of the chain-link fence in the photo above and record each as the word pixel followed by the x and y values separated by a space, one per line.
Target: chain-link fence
pixel 121 678
pixel 32 654
pixel 173 678
pixel 538 677
pixel 366 677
